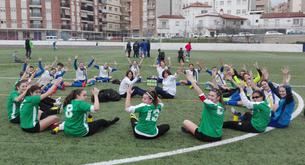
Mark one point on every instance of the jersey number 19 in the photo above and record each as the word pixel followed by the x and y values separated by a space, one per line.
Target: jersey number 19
pixel 152 115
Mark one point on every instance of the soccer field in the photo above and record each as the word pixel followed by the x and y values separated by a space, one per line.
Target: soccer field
pixel 280 146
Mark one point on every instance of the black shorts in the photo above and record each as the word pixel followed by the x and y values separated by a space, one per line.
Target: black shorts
pixel 202 137
pixel 36 129
pixel 16 120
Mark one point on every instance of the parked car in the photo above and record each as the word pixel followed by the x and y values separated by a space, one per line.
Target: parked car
pixel 243 34
pixel 273 33
pixel 53 38
pixel 293 31
pixel 222 35
pixel 77 39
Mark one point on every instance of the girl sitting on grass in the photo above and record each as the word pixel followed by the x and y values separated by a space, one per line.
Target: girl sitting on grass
pixel 146 127
pixel 257 121
pixel 14 100
pixel 281 116
pixel 76 109
pixel 129 80
pixel 32 119
pixel 210 127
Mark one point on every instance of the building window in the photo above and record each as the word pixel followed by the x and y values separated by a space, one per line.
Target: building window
pixel 221 3
pixel 256 21
pixel 203 11
pixel 115 9
pixel 200 21
pixel 229 3
pixel 228 11
pixel 163 24
pixel 177 23
pixel 296 21
pixel 238 2
pixel 238 11
pixel 244 11
pixel 110 8
pixel 277 22
pixel 241 22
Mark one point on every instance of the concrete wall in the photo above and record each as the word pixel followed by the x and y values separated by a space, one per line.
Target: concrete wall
pixel 174 46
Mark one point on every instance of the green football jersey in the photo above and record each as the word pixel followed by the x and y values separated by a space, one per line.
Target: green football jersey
pixel 29 111
pixel 212 118
pixel 261 116
pixel 76 118
pixel 12 106
pixel 148 116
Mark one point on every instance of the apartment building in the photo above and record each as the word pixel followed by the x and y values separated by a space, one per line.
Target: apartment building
pixel 296 5
pixel 90 19
pixel 263 5
pixel 143 18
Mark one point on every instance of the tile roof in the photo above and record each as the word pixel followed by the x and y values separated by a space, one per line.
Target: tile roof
pixel 171 16
pixel 283 15
pixel 198 4
pixel 224 16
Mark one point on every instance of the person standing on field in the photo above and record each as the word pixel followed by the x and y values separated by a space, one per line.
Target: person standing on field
pixel 28 48
pixel 188 48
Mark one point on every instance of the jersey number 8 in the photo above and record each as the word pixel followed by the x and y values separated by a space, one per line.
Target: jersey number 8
pixel 69 112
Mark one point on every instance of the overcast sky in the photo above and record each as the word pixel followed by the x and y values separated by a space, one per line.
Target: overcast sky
pixel 275 2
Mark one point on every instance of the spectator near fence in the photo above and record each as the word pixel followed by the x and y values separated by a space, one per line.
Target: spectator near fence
pixel 28 48
pixel 188 48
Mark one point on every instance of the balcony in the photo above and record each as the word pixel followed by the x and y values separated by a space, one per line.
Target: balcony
pixel 87 1
pixel 65 17
pixel 87 19
pixel 151 17
pixel 65 26
pixel 35 3
pixel 151 7
pixel 35 16
pixel 36 25
pixel 65 5
pixel 87 8
pixel 87 28
pixel 102 1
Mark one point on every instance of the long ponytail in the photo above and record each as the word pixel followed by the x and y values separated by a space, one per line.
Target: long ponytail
pixel 72 96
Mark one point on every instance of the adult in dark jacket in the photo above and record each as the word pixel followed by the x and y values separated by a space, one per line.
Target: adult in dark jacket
pixel 136 49
pixel 128 48
pixel 28 49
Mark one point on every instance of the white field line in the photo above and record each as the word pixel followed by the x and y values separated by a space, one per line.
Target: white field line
pixel 200 147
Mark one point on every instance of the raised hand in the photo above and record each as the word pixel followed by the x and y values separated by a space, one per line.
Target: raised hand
pixel 129 90
pixel 285 70
pixel 95 91
pixel 265 74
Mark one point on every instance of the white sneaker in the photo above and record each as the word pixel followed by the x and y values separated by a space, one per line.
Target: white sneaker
pixel 58 102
